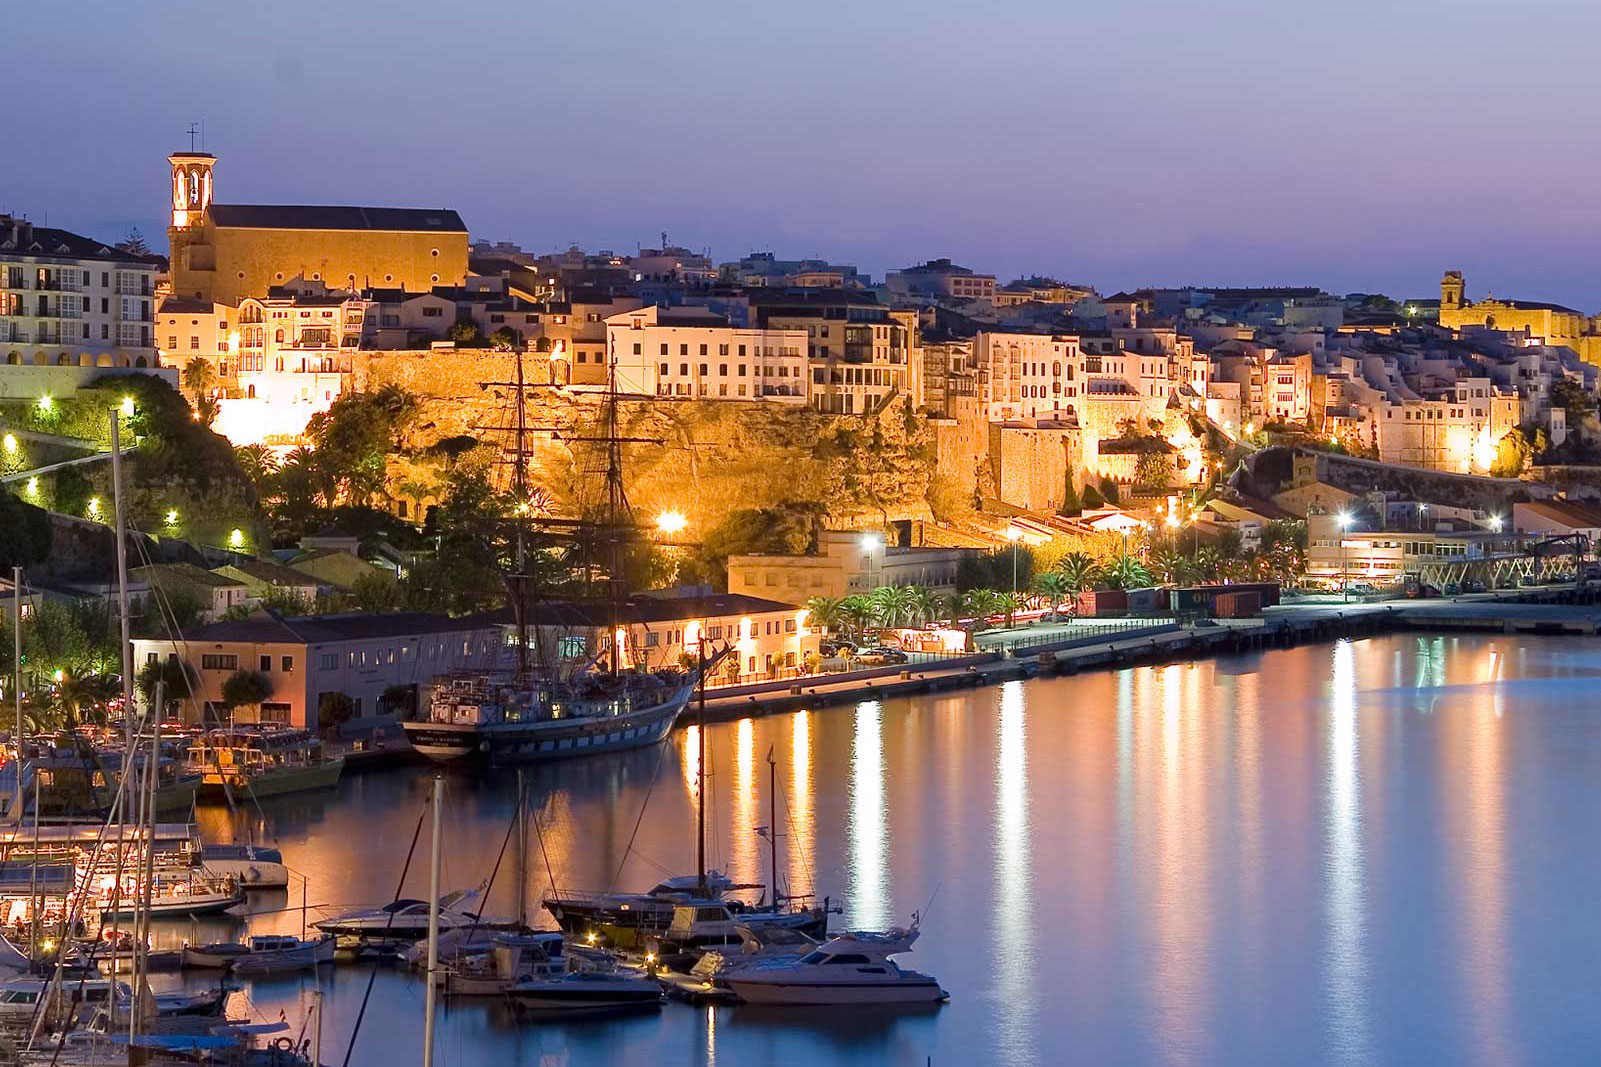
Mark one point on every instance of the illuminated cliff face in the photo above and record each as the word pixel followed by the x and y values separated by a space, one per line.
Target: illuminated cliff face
pixel 715 456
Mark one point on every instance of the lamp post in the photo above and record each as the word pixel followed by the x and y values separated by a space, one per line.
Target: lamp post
pixel 870 544
pixel 1013 534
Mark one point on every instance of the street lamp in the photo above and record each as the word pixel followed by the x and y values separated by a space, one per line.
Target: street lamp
pixel 871 543
pixel 1495 523
pixel 671 522
pixel 1344 519
pixel 1013 534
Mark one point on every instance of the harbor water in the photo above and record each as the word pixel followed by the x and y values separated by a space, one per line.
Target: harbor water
pixel 1371 852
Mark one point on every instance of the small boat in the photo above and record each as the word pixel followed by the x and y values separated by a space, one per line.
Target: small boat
pixel 276 954
pixel 587 991
pixel 252 866
pixel 262 759
pixel 853 968
pixel 403 922
pixel 261 954
pixel 187 1003
pixel 512 959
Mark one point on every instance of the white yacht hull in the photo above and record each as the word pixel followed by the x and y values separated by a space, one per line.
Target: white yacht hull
pixel 753 990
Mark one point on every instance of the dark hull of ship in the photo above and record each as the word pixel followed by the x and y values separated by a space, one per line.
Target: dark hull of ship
pixel 545 740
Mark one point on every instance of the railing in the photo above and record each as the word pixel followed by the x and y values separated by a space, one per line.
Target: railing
pixel 1076 632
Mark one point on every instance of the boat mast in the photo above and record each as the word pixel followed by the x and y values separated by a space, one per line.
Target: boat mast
pixel 16 673
pixel 125 623
pixel 520 484
pixel 700 764
pixel 772 818
pixel 432 993
pixel 614 508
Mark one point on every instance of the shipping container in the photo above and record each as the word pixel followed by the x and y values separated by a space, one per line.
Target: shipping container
pixel 1100 603
pixel 1237 605
pixel 1147 601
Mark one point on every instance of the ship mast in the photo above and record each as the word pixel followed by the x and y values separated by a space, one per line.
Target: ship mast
pixel 520 482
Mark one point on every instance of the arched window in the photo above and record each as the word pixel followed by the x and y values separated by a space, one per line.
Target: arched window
pixel 280 366
pixel 278 336
pixel 140 362
pixel 63 360
pixel 14 359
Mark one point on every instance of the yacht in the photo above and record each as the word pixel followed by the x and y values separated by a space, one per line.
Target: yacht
pixel 252 866
pixel 491 717
pixel 402 922
pixel 262 759
pixel 588 991
pixel 180 893
pixel 854 968
pixel 580 913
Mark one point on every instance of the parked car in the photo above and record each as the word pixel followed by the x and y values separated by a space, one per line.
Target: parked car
pixel 834 646
pixel 881 656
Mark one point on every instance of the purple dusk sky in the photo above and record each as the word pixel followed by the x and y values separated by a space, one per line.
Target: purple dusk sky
pixel 1365 146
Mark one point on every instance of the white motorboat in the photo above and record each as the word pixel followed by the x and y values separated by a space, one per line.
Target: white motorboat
pixel 252 866
pixel 703 926
pixel 403 922
pixel 854 968
pixel 588 991
pixel 579 913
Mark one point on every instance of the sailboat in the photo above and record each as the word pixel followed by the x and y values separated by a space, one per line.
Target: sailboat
pixel 534 713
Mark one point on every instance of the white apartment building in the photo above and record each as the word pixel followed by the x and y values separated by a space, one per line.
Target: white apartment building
pixel 279 360
pixel 70 301
pixel 695 355
pixel 1027 375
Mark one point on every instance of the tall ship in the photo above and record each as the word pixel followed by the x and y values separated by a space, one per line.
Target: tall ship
pixel 552 704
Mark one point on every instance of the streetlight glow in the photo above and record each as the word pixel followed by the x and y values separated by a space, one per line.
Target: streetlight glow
pixel 1495 523
pixel 127 407
pixel 871 542
pixel 671 522
pixel 236 538
pixel 172 517
pixel 10 444
pixel 1013 533
pixel 45 403
pixel 1343 519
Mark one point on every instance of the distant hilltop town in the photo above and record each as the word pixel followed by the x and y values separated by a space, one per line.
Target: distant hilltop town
pixel 1035 388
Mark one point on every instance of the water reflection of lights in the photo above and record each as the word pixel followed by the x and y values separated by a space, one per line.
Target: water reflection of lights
pixel 1345 959
pixel 743 858
pixel 711 1036
pixel 801 839
pixel 1475 791
pixel 869 867
pixel 1014 940
pixel 691 760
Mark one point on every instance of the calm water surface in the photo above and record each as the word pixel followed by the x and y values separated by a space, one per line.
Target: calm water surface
pixel 1380 851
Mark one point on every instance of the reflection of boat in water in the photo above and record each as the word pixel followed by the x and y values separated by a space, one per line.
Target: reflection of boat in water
pixel 263 759
pixel 854 968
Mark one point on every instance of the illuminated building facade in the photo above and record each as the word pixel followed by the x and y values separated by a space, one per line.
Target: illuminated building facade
pixel 224 253
pixel 691 354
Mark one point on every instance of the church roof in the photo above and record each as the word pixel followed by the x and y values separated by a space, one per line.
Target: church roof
pixel 326 217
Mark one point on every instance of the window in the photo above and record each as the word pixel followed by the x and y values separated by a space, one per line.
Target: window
pixel 432 313
pixel 219 663
pixel 636 348
pixel 664 369
pixel 652 639
pixel 194 343
pixel 664 349
pixel 683 350
pixel 286 664
pixel 266 664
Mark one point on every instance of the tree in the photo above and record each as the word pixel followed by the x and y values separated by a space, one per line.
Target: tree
pixel 133 242
pixel 1091 498
pixel 376 593
pixel 243 689
pixel 1153 471
pixel 24 533
pixel 464 332
pixel 173 675
pixel 1126 572
pixel 505 339
pixel 83 697
pixel 258 464
pixel 925 605
pixel 333 711
pixel 1569 395
pixel 857 613
pixel 1053 586
pixel 825 611
pixel 414 491
pixel 1109 490
pixel 398 700
pixel 1079 571
pixel 198 376
pixel 892 605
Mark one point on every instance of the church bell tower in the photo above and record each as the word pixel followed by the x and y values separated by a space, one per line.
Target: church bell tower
pixel 188 248
pixel 1451 291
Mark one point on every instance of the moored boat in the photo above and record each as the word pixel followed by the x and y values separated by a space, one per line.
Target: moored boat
pixel 402 922
pixel 851 969
pixel 262 759
pixel 587 991
pixel 580 913
pixel 252 866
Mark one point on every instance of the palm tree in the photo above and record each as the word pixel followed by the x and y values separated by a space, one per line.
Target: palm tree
pixel 414 490
pixel 857 613
pixel 925 605
pixel 892 604
pixel 76 694
pixel 1172 566
pixel 258 463
pixel 825 611
pixel 956 606
pixel 1080 571
pixel 1126 572
pixel 198 376
pixel 1208 563
pixel 1053 586
pixel 1009 602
